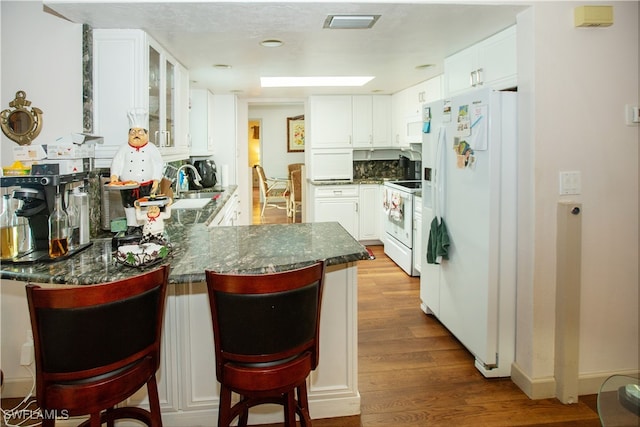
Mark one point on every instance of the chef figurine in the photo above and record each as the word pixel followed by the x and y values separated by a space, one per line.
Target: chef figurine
pixel 139 161
pixel 153 218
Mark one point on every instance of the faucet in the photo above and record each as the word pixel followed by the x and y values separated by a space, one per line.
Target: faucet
pixel 196 178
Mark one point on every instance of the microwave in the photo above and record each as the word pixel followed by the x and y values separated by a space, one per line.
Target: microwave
pixel 331 164
pixel 413 129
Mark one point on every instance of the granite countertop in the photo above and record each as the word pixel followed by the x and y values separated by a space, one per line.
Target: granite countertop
pixel 354 181
pixel 196 248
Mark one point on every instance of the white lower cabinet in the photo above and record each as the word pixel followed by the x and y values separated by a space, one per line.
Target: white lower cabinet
pixel 338 203
pixel 229 214
pixel 370 205
pixel 166 378
pixel 355 207
pixel 189 391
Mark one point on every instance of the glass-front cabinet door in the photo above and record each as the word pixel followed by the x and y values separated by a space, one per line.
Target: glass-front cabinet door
pixel 162 100
pixel 154 96
pixel 170 99
pixel 131 70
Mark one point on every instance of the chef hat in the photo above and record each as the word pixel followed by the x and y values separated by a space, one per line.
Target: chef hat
pixel 138 118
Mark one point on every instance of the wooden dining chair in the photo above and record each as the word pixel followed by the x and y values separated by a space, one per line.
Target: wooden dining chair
pixel 295 195
pixel 266 336
pixel 274 192
pixel 96 345
pixel 295 199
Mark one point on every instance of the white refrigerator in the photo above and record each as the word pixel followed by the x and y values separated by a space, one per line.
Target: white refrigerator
pixel 470 161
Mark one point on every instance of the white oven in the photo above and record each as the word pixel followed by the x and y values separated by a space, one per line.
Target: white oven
pixel 397 203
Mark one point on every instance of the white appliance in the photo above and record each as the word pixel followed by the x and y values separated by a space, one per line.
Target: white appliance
pixel 398 208
pixel 474 192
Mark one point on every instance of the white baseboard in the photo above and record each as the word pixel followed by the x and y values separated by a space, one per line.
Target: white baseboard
pixel 545 388
pixel 320 406
pixel 540 388
pixel 17 387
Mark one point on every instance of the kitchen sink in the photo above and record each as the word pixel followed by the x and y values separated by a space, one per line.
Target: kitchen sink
pixel 200 195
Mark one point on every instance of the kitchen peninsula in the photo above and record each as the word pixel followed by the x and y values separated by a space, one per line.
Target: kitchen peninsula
pixel 187 384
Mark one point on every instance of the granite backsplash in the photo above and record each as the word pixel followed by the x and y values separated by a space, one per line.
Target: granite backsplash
pixel 364 169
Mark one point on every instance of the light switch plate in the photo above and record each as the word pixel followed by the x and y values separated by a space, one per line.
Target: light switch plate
pixel 570 183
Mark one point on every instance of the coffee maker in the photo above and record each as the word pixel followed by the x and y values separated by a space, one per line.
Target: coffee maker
pixel 38 192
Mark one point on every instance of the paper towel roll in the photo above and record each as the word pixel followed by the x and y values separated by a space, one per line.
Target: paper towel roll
pixel 224 175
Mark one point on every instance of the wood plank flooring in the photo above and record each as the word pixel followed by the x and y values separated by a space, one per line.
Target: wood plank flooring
pixel 413 372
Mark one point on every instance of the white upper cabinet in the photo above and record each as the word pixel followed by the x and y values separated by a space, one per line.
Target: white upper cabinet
pixel 407 111
pixel 201 122
pixel 345 121
pixel 131 70
pixel 371 121
pixel 331 121
pixel 491 62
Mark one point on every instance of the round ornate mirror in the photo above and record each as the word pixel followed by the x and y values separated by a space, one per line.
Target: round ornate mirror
pixel 20 122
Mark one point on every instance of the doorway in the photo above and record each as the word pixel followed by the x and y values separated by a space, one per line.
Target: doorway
pixel 255 126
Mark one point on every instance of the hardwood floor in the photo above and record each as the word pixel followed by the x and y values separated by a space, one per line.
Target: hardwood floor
pixel 271 215
pixel 413 372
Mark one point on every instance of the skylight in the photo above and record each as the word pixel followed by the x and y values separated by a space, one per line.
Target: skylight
pixel 315 81
pixel 350 22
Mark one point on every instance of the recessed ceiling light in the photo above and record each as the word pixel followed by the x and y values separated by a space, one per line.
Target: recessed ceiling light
pixel 423 66
pixel 271 43
pixel 222 66
pixel 315 81
pixel 350 22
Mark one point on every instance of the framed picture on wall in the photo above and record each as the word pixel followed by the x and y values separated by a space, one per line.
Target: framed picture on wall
pixel 295 134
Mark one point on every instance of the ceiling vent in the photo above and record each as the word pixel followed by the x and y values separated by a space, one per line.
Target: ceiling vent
pixel 350 22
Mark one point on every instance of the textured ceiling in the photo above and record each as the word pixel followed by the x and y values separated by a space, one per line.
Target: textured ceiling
pixel 202 34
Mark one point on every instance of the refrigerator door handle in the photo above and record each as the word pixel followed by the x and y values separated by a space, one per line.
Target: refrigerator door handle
pixel 438 175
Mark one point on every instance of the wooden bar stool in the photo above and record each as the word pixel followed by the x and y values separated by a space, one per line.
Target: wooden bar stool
pixel 266 339
pixel 97 345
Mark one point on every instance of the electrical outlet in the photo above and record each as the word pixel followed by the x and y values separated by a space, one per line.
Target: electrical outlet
pixel 26 355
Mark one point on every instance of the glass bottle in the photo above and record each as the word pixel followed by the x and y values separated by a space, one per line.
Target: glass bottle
pixel 8 241
pixel 58 230
pixel 81 202
pixel 74 222
pixel 23 234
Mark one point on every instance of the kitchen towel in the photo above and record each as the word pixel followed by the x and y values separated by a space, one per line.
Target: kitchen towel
pixel 396 207
pixel 438 245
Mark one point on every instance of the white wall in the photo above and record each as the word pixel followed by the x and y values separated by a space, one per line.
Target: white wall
pixel 574 84
pixel 41 55
pixel 273 135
